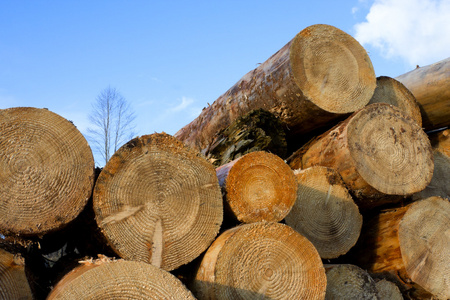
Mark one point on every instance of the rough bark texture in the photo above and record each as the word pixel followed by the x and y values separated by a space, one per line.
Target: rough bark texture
pixel 318 76
pixel 411 245
pixel 379 152
pixel 324 212
pixel 158 201
pixel 258 186
pixel 119 279
pixel 260 261
pixel 46 171
pixel 429 84
pixel 13 281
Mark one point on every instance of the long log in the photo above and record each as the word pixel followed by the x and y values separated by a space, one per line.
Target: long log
pixel 46 171
pixel 315 78
pixel 429 84
pixel 411 245
pixel 324 212
pixel 258 186
pixel 379 151
pixel 158 201
pixel 260 261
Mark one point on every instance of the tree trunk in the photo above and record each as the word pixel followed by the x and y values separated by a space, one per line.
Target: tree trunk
pixel 392 91
pixel 46 171
pixel 259 130
pixel 324 212
pixel 349 282
pixel 119 279
pixel 318 76
pixel 260 261
pixel 258 186
pixel 410 244
pixel 13 281
pixel 429 85
pixel 379 151
pixel 158 201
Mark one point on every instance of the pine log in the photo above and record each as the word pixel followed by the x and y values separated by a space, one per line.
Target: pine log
pixel 410 245
pixel 429 84
pixel 347 281
pixel 119 279
pixel 387 290
pixel 260 261
pixel 13 281
pixel 315 78
pixel 392 91
pixel 259 130
pixel 258 186
pixel 379 151
pixel 158 201
pixel 324 212
pixel 46 171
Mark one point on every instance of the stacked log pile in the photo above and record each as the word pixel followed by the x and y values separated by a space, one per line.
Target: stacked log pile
pixel 310 178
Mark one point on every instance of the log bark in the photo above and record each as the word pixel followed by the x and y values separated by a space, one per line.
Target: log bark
pixel 429 84
pixel 259 130
pixel 392 91
pixel 379 151
pixel 319 75
pixel 411 245
pixel 347 281
pixel 258 186
pixel 158 201
pixel 46 171
pixel 260 261
pixel 119 279
pixel 324 212
pixel 13 281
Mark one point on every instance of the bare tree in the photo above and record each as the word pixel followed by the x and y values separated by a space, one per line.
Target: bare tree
pixel 112 122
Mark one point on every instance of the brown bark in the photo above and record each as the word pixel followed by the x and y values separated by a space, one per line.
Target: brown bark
pixel 411 245
pixel 260 261
pixel 324 212
pixel 319 75
pixel 258 186
pixel 46 171
pixel 119 279
pixel 158 201
pixel 429 84
pixel 13 281
pixel 379 151
pixel 392 91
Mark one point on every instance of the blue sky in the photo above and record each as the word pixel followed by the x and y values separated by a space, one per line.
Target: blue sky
pixel 170 58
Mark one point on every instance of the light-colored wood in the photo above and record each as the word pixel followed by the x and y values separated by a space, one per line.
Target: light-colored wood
pixel 379 152
pixel 319 75
pixel 392 91
pixel 13 281
pixel 349 282
pixel 46 171
pixel 119 279
pixel 260 261
pixel 412 245
pixel 429 84
pixel 324 212
pixel 158 201
pixel 258 186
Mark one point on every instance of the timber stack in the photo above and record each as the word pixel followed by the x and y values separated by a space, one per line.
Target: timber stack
pixel 310 178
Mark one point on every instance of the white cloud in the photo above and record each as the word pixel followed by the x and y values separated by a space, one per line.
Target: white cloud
pixel 417 31
pixel 185 103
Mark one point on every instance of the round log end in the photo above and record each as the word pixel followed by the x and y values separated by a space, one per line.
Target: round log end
pixel 261 261
pixel 13 281
pixel 46 171
pixel 324 212
pixel 119 279
pixel 158 201
pixel 260 187
pixel 390 151
pixel 332 69
pixel 424 237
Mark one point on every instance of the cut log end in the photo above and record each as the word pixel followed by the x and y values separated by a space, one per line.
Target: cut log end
pixel 330 66
pixel 13 281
